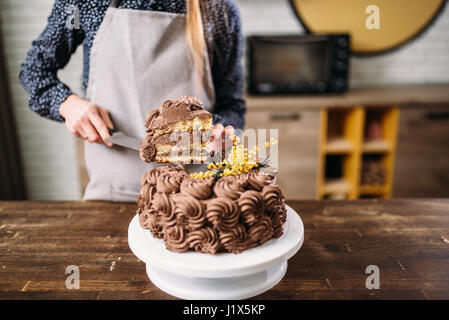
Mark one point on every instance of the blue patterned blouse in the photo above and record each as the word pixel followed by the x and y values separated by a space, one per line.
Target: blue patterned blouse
pixel 51 52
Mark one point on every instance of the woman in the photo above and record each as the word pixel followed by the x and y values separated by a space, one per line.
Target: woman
pixel 137 53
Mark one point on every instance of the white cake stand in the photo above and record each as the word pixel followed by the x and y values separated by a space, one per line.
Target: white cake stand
pixel 193 275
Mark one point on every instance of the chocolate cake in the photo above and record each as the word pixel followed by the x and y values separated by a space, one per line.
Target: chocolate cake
pixel 177 132
pixel 199 212
pixel 233 206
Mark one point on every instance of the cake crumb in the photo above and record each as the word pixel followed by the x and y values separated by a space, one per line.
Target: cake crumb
pixel 445 239
pixel 358 232
pixel 112 266
pixel 25 286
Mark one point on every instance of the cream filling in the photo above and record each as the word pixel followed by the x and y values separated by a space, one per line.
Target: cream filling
pixel 167 149
pixel 190 125
pixel 181 159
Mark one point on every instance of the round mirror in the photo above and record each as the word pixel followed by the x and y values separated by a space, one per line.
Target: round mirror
pixel 375 26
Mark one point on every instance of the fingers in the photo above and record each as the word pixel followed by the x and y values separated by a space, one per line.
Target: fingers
pixel 73 130
pixel 229 131
pixel 86 120
pixel 91 133
pixel 218 137
pixel 99 127
pixel 76 134
pixel 217 131
pixel 105 116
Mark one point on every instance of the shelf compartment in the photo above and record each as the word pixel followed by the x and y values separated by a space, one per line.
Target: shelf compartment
pixel 339 146
pixel 337 120
pixel 336 186
pixel 373 170
pixel 372 189
pixel 376 146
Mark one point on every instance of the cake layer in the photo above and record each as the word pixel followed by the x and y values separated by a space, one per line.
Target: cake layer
pixel 180 109
pixel 182 115
pixel 168 149
pixel 181 159
pixel 194 137
pixel 188 126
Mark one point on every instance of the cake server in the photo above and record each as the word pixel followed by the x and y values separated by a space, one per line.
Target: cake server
pixel 121 139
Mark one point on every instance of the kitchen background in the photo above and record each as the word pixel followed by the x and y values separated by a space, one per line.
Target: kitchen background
pixel 49 152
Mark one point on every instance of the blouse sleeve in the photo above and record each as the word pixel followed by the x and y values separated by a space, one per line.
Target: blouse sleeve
pixel 49 53
pixel 226 67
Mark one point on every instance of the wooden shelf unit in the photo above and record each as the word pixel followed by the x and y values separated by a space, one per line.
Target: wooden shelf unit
pixel 423 118
pixel 342 133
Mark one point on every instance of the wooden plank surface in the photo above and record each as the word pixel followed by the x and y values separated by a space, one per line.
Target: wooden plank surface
pixel 405 96
pixel 407 239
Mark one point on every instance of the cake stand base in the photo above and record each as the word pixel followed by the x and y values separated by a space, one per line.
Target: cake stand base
pixel 196 288
pixel 195 275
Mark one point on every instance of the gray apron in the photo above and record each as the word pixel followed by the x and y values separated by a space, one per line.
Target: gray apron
pixel 138 60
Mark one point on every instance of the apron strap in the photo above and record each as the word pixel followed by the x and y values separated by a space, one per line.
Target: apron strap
pixel 114 3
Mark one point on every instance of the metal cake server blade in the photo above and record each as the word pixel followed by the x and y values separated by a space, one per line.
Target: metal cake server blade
pixel 119 138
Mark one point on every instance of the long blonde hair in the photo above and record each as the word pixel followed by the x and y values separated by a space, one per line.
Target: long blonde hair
pixel 195 35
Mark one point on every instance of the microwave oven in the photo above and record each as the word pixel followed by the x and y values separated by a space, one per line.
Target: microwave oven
pixel 298 64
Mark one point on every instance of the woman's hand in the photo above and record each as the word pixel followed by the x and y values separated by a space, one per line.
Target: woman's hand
pixel 219 134
pixel 86 120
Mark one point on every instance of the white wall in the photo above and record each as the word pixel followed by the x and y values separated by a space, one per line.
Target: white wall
pixel 424 60
pixel 48 149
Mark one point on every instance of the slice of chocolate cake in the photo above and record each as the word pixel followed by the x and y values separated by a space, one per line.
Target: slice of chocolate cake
pixel 178 132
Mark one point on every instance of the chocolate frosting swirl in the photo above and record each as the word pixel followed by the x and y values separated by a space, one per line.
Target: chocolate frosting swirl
pixel 168 183
pixel 180 108
pixel 204 240
pixel 235 239
pixel 150 220
pixel 198 188
pixel 152 114
pixel 251 206
pixel 261 231
pixel 143 218
pixel 277 225
pixel 164 206
pixel 256 180
pixel 190 212
pixel 176 239
pixel 151 176
pixel 177 170
pixel 272 197
pixel 146 195
pixel 223 213
pixel 228 186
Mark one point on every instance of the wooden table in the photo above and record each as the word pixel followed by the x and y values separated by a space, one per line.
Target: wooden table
pixel 407 239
